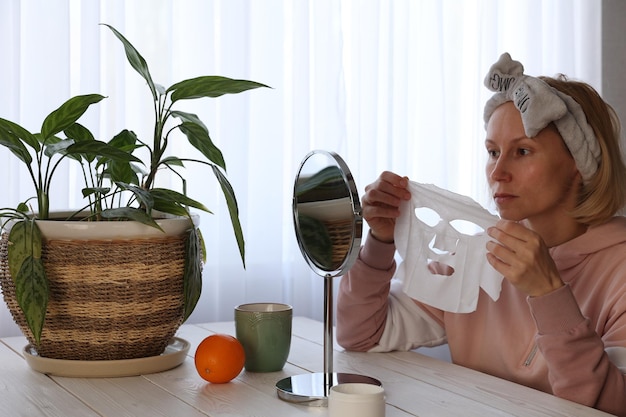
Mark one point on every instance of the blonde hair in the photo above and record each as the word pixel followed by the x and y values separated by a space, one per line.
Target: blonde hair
pixel 604 194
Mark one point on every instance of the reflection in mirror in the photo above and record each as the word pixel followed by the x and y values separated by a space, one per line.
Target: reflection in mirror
pixel 326 213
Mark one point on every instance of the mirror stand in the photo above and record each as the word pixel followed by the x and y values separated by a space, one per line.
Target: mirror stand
pixel 313 389
pixel 328 223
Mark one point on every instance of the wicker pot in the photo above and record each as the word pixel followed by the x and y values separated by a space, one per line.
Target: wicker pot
pixel 116 288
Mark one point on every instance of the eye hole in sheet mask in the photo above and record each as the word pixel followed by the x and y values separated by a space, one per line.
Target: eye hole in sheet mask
pixel 427 216
pixel 466 227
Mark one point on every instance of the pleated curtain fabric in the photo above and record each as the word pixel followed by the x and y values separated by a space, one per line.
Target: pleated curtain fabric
pixel 389 85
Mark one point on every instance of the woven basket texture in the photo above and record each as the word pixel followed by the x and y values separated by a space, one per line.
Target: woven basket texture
pixel 109 300
pixel 340 233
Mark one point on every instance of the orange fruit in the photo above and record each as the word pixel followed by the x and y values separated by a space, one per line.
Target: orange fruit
pixel 219 358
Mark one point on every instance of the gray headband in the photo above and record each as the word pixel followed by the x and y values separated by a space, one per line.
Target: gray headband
pixel 539 105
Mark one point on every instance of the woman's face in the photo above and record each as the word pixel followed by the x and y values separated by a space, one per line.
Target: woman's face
pixel 533 179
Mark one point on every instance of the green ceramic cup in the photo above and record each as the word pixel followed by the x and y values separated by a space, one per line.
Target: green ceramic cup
pixel 264 330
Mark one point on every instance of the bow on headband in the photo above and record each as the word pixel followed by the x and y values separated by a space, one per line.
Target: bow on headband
pixel 539 105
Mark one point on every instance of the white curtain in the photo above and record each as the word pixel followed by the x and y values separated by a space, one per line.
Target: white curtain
pixel 388 85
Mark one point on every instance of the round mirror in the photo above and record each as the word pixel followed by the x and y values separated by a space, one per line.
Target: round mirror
pixel 327 213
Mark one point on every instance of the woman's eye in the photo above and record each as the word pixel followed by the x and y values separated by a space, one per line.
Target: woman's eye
pixel 523 151
pixel 492 153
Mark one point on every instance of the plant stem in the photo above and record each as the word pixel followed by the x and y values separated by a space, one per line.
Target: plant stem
pixel 43 205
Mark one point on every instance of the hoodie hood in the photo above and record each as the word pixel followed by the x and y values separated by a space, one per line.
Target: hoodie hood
pixel 596 239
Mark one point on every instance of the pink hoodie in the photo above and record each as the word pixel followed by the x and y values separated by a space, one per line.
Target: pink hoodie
pixel 571 342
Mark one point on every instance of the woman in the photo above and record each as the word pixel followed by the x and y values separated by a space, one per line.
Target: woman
pixel 557 179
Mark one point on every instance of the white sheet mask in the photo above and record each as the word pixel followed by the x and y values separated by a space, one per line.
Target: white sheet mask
pixel 448 232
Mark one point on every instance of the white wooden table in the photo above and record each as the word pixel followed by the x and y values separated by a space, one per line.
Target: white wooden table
pixel 415 385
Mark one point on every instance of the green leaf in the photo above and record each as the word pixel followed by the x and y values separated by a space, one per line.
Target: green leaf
pixel 192 279
pixel 47 141
pixel 126 140
pixel 31 292
pixel 233 210
pixel 163 195
pixel 144 197
pixel 136 61
pixel 171 208
pixel 58 147
pixel 118 160
pixel 67 114
pixel 199 137
pixel 25 241
pixel 13 137
pixel 101 149
pixel 172 160
pixel 27 271
pixel 188 117
pixel 95 190
pixel 202 245
pixel 121 170
pixel 20 133
pixel 160 89
pixel 80 133
pixel 130 213
pixel 210 86
pixel 16 147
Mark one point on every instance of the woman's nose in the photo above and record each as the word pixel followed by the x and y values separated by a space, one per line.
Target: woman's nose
pixel 498 170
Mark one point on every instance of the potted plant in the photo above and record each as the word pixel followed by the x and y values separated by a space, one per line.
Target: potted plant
pixel 119 190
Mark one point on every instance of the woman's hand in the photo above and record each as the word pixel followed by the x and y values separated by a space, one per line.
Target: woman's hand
pixel 522 257
pixel 380 204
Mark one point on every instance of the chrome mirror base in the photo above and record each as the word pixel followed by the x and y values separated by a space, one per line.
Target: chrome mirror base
pixel 312 389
